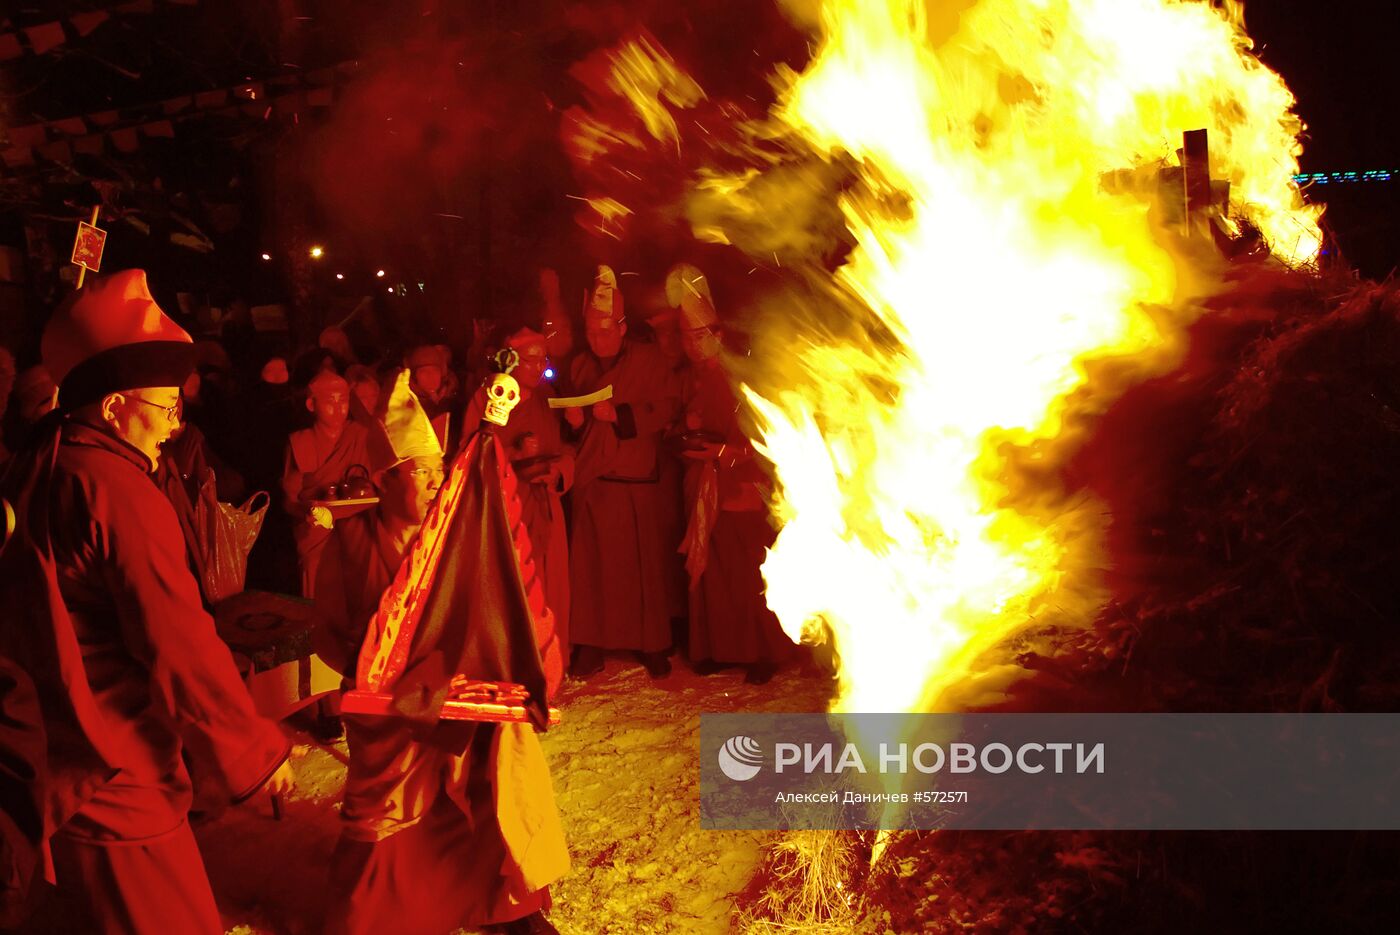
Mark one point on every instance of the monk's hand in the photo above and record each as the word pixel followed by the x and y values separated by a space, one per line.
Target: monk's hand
pixel 320 516
pixel 707 452
pixel 574 416
pixel 604 411
pixel 282 782
pixel 549 478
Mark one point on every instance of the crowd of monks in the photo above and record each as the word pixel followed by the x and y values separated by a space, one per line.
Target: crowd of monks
pixel 569 503
pixel 646 509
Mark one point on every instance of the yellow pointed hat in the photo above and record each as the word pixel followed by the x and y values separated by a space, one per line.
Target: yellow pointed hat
pixel 688 290
pixel 604 303
pixel 403 430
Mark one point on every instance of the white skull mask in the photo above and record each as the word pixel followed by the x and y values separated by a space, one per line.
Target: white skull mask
pixel 502 395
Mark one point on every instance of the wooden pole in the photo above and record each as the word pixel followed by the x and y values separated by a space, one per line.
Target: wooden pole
pixel 82 270
pixel 1196 174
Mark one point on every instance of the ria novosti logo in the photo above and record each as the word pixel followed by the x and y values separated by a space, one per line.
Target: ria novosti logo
pixel 740 758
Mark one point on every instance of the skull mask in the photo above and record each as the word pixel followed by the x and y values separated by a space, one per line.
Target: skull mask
pixel 502 395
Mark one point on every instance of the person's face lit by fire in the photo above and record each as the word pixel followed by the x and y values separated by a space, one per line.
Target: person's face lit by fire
pixel 367 392
pixel 427 380
pixel 534 359
pixel 331 408
pixel 143 418
pixel 668 339
pixel 701 344
pixel 408 489
pixel 604 334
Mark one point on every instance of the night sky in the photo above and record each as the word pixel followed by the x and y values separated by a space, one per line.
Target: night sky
pixel 1339 59
pixel 1341 64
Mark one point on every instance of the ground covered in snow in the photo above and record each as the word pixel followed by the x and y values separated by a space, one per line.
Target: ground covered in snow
pixel 626 780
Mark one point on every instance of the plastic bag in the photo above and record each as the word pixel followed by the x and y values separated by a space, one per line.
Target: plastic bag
pixel 226 535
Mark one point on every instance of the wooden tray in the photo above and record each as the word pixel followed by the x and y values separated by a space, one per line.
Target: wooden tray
pixel 381 703
pixel 340 509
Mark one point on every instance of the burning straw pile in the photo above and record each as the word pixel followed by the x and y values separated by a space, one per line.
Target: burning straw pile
pixel 1254 539
pixel 1262 553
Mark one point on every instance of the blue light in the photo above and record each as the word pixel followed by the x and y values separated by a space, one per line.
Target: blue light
pixel 1327 178
pixel 549 373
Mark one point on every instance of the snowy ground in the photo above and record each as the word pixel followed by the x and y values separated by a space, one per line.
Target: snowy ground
pixel 624 763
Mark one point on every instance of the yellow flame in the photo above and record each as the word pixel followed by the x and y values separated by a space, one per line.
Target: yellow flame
pixel 635 82
pixel 649 79
pixel 999 291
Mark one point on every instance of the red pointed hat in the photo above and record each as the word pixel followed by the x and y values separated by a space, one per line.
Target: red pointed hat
pixel 112 336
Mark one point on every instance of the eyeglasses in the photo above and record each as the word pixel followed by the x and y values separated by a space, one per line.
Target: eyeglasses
pixel 172 413
pixel 436 473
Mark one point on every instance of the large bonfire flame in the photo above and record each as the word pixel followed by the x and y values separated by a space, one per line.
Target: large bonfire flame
pixel 914 523
pixel 1000 292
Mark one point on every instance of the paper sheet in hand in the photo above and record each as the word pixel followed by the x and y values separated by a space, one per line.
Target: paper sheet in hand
pixel 578 402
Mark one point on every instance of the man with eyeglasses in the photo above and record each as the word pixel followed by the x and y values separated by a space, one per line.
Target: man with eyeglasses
pixel 104 616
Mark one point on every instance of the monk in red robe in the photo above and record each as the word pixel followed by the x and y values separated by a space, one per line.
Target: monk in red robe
pixel 544 465
pixel 619 592
pixel 317 459
pixel 104 616
pixel 555 323
pixel 728 531
pixel 433 838
pixel 665 325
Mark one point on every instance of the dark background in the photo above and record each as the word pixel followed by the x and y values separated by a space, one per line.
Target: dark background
pixel 440 160
pixel 1340 61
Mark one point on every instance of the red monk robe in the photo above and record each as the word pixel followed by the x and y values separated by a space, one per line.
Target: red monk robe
pixel 129 673
pixel 727 530
pixel 442 821
pixel 316 458
pixel 727 535
pixel 617 547
pixel 22 782
pixel 665 325
pixel 103 616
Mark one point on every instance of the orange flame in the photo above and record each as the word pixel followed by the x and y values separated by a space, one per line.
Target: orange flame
pixel 635 82
pixel 990 177
pixel 999 292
